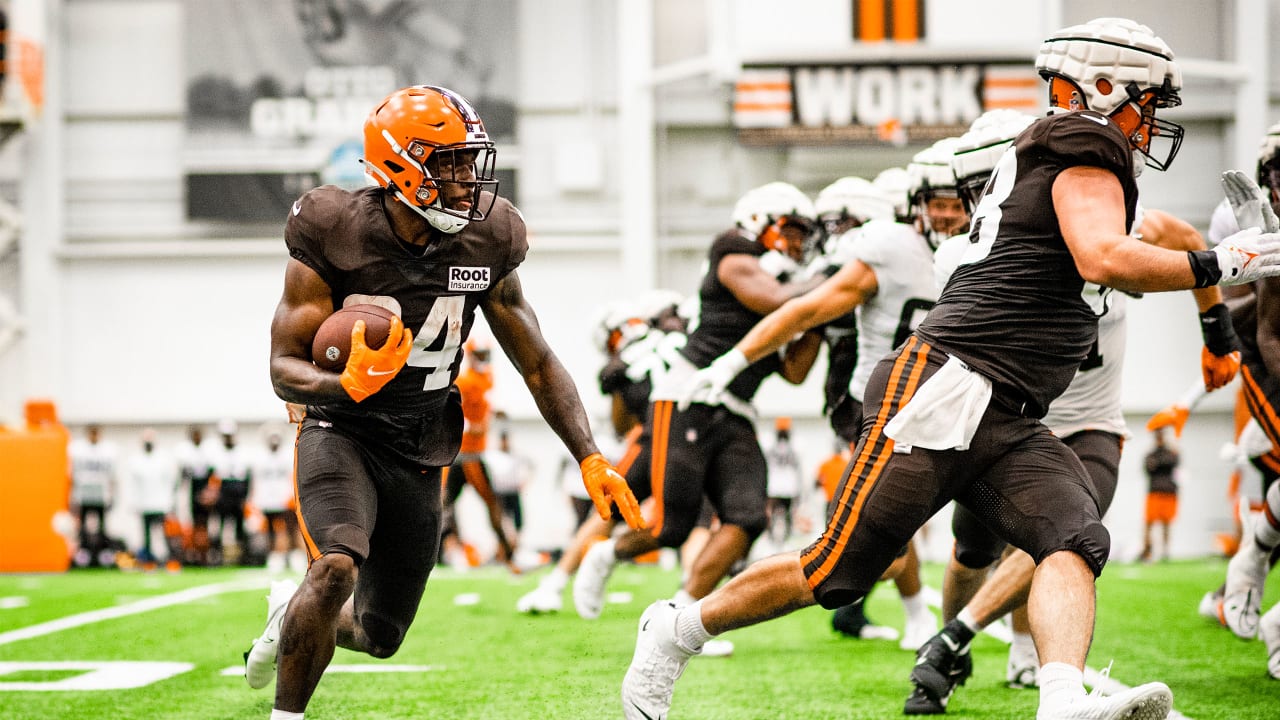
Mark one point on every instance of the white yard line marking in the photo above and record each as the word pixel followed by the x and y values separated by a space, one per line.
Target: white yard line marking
pixel 238 670
pixel 133 608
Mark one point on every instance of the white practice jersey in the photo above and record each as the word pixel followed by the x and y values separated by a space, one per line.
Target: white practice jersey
pixel 154 477
pixel 1092 400
pixel 93 472
pixel 272 473
pixel 903 264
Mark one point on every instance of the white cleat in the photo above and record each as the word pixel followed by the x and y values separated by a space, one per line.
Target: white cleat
pixel 659 661
pixel 1151 701
pixel 918 630
pixel 588 583
pixel 1242 600
pixel 1023 668
pixel 260 661
pixel 541 599
pixel 1211 607
pixel 1269 631
pixel 878 632
pixel 717 648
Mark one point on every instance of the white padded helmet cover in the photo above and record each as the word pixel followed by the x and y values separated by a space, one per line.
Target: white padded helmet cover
pixel 1116 49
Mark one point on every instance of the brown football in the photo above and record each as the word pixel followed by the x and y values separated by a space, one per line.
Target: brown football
pixel 332 344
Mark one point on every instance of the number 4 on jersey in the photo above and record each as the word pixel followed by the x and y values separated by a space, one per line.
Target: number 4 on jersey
pixel 435 345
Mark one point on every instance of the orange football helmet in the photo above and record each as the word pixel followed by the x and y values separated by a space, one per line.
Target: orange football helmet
pixel 428 146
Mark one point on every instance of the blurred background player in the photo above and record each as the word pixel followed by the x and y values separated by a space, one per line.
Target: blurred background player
pixel 1161 467
pixel 94 466
pixel 783 484
pixel 638 338
pixel 230 485
pixel 154 478
pixel 509 472
pixel 195 470
pixel 474 382
pixel 709 446
pixel 272 495
pixel 884 271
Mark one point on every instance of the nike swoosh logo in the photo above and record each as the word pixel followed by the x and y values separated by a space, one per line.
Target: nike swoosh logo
pixel 642 712
pixel 297 206
pixel 376 373
pixel 950 643
pixel 645 626
pixel 1098 120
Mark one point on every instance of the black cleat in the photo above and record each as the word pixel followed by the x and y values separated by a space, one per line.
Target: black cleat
pixel 941 665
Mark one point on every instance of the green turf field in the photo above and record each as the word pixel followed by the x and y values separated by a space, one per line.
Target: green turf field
pixel 486 661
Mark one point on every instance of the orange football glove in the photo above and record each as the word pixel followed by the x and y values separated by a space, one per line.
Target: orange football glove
pixel 606 487
pixel 367 369
pixel 1218 370
pixel 1175 415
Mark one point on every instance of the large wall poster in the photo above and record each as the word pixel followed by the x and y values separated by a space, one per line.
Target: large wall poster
pixel 278 90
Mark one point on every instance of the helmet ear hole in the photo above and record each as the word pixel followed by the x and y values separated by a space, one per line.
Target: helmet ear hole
pixel 1103 85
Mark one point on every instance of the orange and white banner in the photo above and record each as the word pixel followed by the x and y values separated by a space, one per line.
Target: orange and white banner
pixel 917 101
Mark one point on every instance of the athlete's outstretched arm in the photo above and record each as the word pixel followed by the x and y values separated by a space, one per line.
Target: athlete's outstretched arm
pixel 851 286
pixel 757 290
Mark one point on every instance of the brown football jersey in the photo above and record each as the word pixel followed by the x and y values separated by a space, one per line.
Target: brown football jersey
pixel 345 237
pixel 723 320
pixel 1016 309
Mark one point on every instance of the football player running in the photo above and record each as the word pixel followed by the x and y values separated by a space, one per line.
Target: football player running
pixel 1087 416
pixel 953 413
pixel 711 448
pixel 844 206
pixel 639 338
pixel 885 273
pixel 375 436
pixel 1248 569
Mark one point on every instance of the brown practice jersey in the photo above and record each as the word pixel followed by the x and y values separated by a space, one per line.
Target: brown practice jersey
pixel 722 320
pixel 1016 309
pixel 346 239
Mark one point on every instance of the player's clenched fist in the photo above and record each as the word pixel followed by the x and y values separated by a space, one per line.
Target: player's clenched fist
pixel 367 369
pixel 606 488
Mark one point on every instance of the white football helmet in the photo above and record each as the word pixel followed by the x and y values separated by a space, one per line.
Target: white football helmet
pixel 895 183
pixel 979 149
pixel 851 199
pixel 931 177
pixel 616 324
pixel 762 212
pixel 1119 68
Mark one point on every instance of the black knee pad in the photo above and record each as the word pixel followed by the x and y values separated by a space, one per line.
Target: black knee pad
pixel 384 637
pixel 1092 542
pixel 976 558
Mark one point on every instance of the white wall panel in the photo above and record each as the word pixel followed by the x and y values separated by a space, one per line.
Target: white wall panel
pixel 167 340
pixel 124 57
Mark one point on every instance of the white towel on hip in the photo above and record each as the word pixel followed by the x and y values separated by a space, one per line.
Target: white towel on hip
pixel 944 412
